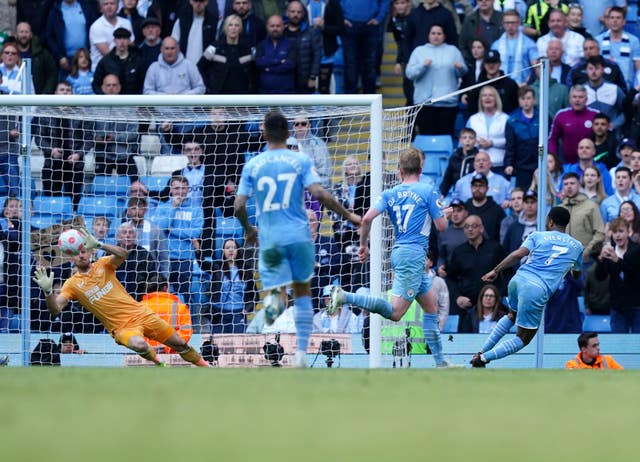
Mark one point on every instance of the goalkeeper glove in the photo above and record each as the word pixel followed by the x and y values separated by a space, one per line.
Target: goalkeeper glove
pixel 90 242
pixel 44 280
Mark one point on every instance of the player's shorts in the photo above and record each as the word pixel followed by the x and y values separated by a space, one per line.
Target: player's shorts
pixel 528 298
pixel 410 278
pixel 148 325
pixel 282 265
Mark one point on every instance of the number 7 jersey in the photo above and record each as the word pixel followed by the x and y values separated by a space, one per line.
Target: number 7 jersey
pixel 551 255
pixel 277 178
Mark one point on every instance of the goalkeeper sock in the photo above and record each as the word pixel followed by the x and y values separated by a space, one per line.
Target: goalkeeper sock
pixel 432 336
pixel 505 348
pixel 303 313
pixel 369 303
pixel 503 326
pixel 192 356
pixel 150 355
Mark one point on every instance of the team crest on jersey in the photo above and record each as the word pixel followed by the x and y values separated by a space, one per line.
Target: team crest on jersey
pixel 411 293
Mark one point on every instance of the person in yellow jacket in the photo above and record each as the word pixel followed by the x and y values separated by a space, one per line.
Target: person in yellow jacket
pixel 169 308
pixel 589 356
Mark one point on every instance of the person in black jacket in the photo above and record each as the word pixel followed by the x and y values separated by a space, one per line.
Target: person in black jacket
pixel 460 161
pixel 198 18
pixel 130 12
pixel 485 207
pixel 521 133
pixel 308 43
pixel 134 272
pixel 254 29
pixel 330 23
pixel 123 60
pixel 228 67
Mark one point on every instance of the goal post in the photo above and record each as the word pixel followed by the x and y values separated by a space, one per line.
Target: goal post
pixel 348 125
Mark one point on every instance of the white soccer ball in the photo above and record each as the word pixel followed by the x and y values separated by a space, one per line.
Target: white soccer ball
pixel 71 242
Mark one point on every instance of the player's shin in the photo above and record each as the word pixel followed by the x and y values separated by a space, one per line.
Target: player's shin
pixel 432 337
pixel 150 355
pixel 192 356
pixel 370 303
pixel 304 321
pixel 502 327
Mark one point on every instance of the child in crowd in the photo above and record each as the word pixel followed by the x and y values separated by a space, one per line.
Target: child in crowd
pixel 81 76
pixel 461 160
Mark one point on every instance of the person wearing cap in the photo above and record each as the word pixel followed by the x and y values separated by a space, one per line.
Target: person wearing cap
pixel 123 60
pixel 606 142
pixel 499 187
pixel 453 236
pixel 150 46
pixel 524 52
pixel 101 38
pixel 485 23
pixel 589 356
pixel 343 321
pixel 525 224
pixel 484 206
pixel 571 41
pixel 195 29
pixel 69 344
pixel 506 87
pixel 625 149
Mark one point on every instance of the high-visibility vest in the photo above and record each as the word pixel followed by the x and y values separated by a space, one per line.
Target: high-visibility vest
pixel 393 331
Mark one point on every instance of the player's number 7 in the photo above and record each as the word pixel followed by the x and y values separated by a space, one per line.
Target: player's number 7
pixel 557 251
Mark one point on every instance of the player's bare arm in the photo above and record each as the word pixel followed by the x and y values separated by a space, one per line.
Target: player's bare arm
pixel 240 211
pixel 365 230
pixel 510 260
pixel 331 203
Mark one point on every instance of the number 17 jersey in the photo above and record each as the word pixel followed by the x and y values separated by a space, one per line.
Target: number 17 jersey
pixel 278 179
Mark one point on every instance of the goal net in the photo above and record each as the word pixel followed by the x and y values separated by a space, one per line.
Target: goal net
pixel 158 176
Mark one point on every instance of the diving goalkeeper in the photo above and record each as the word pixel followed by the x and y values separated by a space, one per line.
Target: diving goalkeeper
pixel 96 287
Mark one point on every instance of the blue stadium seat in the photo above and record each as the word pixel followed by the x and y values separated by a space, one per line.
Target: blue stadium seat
pixel 56 206
pixel 228 227
pixel 106 185
pixel 581 306
pixel 96 206
pixel 596 323
pixel 44 221
pixel 451 326
pixel 434 164
pixel 155 183
pixel 434 144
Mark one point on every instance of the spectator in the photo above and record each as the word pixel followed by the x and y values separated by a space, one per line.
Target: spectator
pixel 578 73
pixel 194 29
pixel 624 153
pixel 630 212
pixel 100 227
pixel 10 70
pixel 589 356
pixel 486 313
pixel 591 185
pixel 562 314
pixel 116 138
pixel 484 206
pixel 506 88
pixel 604 96
pixel 166 12
pixel 586 153
pixel 346 192
pixel 130 12
pixel 537 22
pixel 64 142
pixel 343 321
pixel 489 123
pixel 231 69
pixel 606 143
pixel 554 180
pixel 194 171
pixel 362 19
pixel 475 64
pixel 526 52
pixel 10 246
pixel 9 149
pixel 148 235
pixel 453 236
pixel 327 18
pixel 123 60
pixel 621 46
pixel 327 260
pixel 33 12
pixel 44 71
pixel 308 45
pixel 276 60
pixel 469 262
pixel 101 31
pixel 586 223
pixel 499 188
pixel 522 138
pixel 80 76
pixel 461 160
pixel 169 308
pixel 172 74
pixel 314 147
pixel 620 260
pixel 182 222
pixel 524 225
pixel 596 293
pixel 254 29
pixel 571 125
pixel 558 68
pixel 624 191
pixel 558 95
pixel 435 69
pixel 516 204
pixel 571 41
pixel 267 8
pixel 68 30
pixel 485 23
pixel 574 20
pixel 151 44
pixel 139 264
pixel 69 344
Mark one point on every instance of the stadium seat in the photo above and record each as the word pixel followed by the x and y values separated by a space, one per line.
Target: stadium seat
pixel 59 207
pixel 106 185
pixel 434 164
pixel 37 164
pixel 155 183
pixel 596 323
pixel 150 145
pixel 166 165
pixel 581 306
pixel 228 227
pixel 434 144
pixel 44 221
pixel 141 163
pixel 451 326
pixel 96 206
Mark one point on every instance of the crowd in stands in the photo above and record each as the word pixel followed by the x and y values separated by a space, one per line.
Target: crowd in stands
pixel 278 47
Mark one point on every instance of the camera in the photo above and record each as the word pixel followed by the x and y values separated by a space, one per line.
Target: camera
pixel 402 349
pixel 210 351
pixel 273 352
pixel 331 349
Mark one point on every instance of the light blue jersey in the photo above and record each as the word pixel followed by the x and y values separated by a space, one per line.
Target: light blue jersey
pixel 278 179
pixel 552 255
pixel 411 208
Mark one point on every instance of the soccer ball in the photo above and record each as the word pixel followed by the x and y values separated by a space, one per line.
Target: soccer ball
pixel 71 242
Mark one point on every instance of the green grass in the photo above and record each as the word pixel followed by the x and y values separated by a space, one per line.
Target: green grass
pixel 58 414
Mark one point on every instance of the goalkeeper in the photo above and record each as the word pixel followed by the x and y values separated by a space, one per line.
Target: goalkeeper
pixel 97 289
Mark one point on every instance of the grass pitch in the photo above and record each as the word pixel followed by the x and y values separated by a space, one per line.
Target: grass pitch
pixel 58 414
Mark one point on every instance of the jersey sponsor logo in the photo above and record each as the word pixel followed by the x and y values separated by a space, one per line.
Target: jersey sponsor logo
pixel 96 293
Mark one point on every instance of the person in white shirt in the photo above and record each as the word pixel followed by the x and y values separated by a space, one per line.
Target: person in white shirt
pixel 101 31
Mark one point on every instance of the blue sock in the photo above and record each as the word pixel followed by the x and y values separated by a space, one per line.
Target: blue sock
pixel 369 303
pixel 304 321
pixel 432 336
pixel 502 328
pixel 505 348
